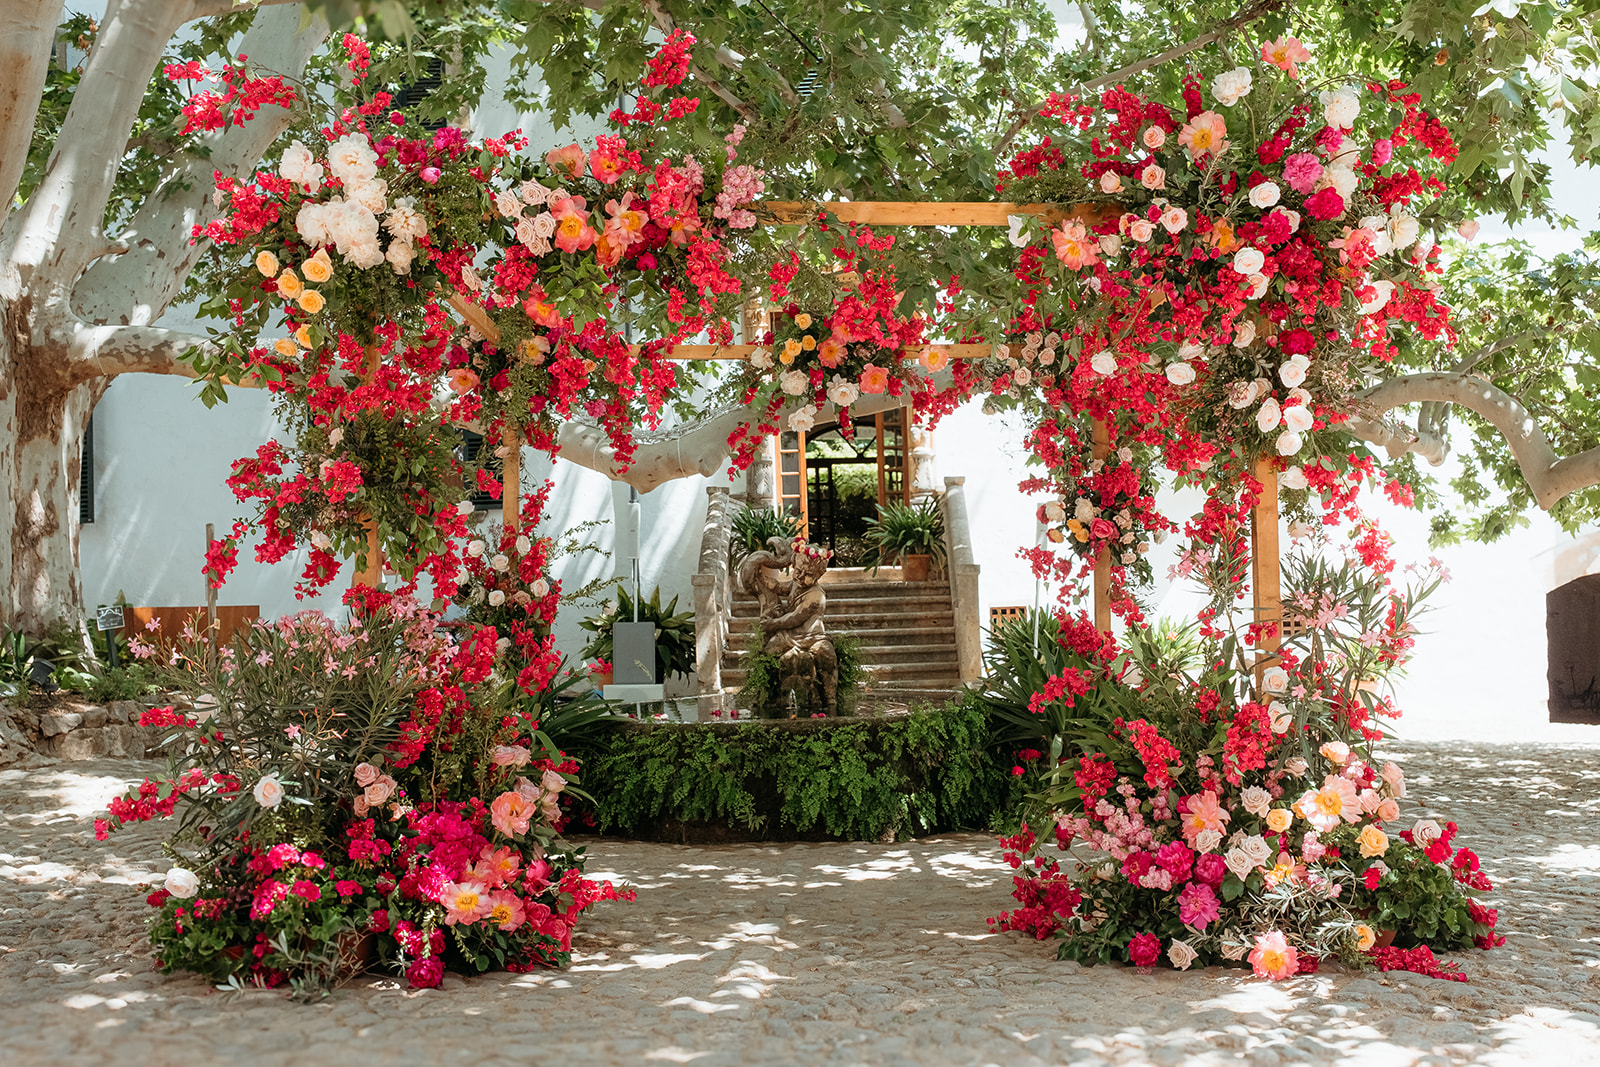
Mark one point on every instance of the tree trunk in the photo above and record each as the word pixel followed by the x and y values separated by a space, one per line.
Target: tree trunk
pixel 41 440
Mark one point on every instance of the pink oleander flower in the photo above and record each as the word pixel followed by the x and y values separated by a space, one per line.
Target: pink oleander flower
pixel 465 902
pixel 1336 801
pixel 506 911
pixel 1286 53
pixel 1197 905
pixel 510 812
pixel 1205 135
pixel 1273 957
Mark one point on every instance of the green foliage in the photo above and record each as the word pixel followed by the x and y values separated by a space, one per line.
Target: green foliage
pixel 753 526
pixel 1420 899
pixel 864 779
pixel 761 692
pixel 121 683
pixel 674 632
pixel 905 529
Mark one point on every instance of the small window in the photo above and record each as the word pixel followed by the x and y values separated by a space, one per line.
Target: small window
pixel 86 476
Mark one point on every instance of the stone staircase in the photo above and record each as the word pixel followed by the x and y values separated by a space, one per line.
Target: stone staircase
pixel 906 629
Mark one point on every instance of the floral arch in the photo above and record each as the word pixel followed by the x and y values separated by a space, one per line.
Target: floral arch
pixel 1211 288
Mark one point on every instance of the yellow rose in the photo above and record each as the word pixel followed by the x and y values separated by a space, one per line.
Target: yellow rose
pixel 1366 937
pixel 785 357
pixel 1373 842
pixel 1278 819
pixel 317 269
pixel 267 263
pixel 285 347
pixel 808 342
pixel 312 301
pixel 289 284
pixel 791 348
pixel 303 335
pixel 802 320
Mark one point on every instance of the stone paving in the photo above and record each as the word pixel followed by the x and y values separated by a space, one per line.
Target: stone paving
pixel 816 954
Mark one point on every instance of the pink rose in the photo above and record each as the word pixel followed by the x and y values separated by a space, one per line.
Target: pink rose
pixel 1101 529
pixel 366 774
pixel 553 782
pixel 510 756
pixel 379 791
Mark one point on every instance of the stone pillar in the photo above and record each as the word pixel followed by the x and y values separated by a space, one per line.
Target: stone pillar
pixel 712 599
pixel 964 600
pixel 922 471
pixel 761 479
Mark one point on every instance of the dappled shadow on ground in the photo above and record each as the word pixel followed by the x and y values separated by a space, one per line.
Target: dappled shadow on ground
pixel 820 953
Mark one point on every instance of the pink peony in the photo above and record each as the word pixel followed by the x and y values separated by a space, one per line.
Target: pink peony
pixel 1144 950
pixel 465 902
pixel 425 973
pixel 1273 957
pixel 1302 171
pixel 506 911
pixel 1286 53
pixel 1205 813
pixel 874 379
pixel 1197 905
pixel 510 812
pixel 1210 869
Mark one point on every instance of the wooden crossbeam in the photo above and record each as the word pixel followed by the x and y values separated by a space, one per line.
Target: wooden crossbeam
pixel 919 213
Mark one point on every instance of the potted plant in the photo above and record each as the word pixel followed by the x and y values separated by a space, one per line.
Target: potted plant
pixel 674 632
pixel 600 674
pixel 752 527
pixel 911 534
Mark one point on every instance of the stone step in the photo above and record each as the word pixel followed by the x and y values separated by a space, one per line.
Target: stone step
pixel 876 654
pixel 740 630
pixel 867 627
pixel 870 591
pixel 912 675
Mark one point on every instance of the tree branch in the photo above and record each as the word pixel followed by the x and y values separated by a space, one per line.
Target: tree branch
pixel 1551 478
pixel 104 351
pixel 137 287
pixel 60 224
pixel 27 27
pixel 1247 14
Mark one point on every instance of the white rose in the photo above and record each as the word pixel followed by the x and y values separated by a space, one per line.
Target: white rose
pixel 1190 350
pixel 842 391
pixel 321 540
pixel 1022 376
pixel 1242 394
pixel 1265 195
pixel 1425 833
pixel 1258 285
pixel 1180 373
pixel 373 195
pixel 1282 717
pixel 311 223
pixel 1270 416
pixel 1230 85
pixel 404 220
pixel 1207 840
pixel 399 256
pixel 365 255
pixel 1297 767
pixel 1239 862
pixel 1383 290
pixel 1083 509
pixel 540 588
pixel 296 163
pixel 1297 419
pixel 1133 676
pixel 1111 182
pixel 1244 333
pixel 181 882
pixel 1181 955
pixel 794 382
pixel 352 160
pixel 1255 800
pixel 506 202
pixel 1289 443
pixel 1298 529
pixel 496 598
pixel 1294 478
pixel 475 548
pixel 470 279
pixel 1340 108
pixel 1249 261
pixel 1174 219
pixel 801 421
pixel 269 791
pixel 1110 244
pixel 500 562
pixel 1104 363
pixel 1275 679
pixel 1255 846
pixel 1293 371
pixel 1343 180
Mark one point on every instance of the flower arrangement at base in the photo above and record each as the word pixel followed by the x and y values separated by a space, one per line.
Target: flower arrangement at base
pixel 1216 811
pixel 358 796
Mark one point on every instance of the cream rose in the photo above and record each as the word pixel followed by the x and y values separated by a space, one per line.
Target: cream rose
pixel 1265 195
pixel 1181 955
pixel 181 882
pixel 268 791
pixel 1275 679
pixel 1180 373
pixel 1255 800
pixel 1297 419
pixel 1104 363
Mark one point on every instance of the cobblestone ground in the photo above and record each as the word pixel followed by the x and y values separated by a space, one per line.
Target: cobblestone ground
pixel 816 954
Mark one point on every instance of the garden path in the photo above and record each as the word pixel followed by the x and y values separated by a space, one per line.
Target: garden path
pixel 817 954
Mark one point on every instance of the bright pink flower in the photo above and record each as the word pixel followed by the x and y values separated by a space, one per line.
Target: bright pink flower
pixel 1273 957
pixel 1325 204
pixel 1197 905
pixel 506 911
pixel 1302 171
pixel 425 973
pixel 1144 950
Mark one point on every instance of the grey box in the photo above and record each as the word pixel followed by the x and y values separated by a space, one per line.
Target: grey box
pixel 633 660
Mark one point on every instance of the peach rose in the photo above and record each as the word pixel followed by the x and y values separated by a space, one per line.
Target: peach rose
pixel 366 774
pixel 1279 820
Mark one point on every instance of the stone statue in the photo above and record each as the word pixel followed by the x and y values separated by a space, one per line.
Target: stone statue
pixel 785 579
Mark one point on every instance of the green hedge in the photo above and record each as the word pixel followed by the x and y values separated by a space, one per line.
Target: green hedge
pixel 860 779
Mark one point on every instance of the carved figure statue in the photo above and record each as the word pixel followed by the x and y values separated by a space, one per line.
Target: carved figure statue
pixel 786 583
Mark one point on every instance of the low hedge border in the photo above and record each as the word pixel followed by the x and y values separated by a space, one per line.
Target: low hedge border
pixel 856 778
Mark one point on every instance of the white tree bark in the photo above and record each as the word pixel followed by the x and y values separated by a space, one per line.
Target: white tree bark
pixel 1550 476
pixel 27 28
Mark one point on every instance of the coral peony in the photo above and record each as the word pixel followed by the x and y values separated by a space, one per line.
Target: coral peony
pixel 1273 957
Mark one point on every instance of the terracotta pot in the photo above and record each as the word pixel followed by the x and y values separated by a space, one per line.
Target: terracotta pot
pixel 914 567
pixel 600 679
pixel 1385 939
pixel 356 949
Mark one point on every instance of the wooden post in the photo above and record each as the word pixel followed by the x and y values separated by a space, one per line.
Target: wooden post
pixel 1265 579
pixel 371 575
pixel 511 479
pixel 1102 555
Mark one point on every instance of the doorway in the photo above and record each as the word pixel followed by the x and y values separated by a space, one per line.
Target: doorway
pixel 835 481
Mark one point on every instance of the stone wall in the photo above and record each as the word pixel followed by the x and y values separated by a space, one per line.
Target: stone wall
pixel 71 731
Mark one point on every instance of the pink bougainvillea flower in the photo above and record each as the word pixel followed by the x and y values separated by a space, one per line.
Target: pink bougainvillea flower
pixel 1286 53
pixel 465 902
pixel 569 161
pixel 874 379
pixel 1205 135
pixel 1273 957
